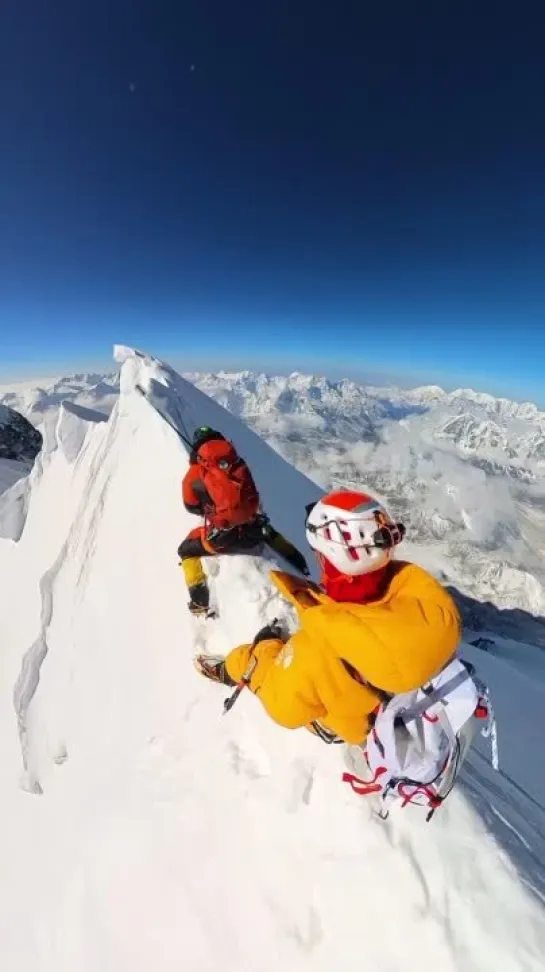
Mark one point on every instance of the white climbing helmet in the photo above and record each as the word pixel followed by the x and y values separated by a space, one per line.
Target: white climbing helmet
pixel 352 531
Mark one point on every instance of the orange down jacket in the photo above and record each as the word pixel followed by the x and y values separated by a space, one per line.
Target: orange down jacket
pixel 395 644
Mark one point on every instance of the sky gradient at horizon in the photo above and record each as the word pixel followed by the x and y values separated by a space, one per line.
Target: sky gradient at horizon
pixel 354 190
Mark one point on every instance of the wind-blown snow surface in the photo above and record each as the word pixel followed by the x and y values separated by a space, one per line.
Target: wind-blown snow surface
pixel 167 836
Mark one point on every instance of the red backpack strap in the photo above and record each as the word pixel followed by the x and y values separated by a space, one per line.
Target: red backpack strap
pixel 361 787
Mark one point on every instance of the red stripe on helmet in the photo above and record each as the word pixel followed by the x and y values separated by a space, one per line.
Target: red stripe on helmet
pixel 350 500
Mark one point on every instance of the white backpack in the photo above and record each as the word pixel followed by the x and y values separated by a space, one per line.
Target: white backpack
pixel 419 740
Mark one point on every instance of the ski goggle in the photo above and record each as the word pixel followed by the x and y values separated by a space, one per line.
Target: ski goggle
pixel 386 536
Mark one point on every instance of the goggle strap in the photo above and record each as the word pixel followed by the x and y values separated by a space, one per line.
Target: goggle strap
pixel 384 537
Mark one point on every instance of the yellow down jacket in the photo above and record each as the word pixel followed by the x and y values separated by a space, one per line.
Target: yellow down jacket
pixel 394 644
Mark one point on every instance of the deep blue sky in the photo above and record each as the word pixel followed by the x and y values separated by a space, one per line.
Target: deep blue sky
pixel 345 187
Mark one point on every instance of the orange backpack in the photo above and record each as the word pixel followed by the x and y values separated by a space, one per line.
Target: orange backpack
pixel 229 484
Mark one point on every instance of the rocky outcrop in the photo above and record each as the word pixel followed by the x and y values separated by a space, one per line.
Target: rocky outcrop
pixel 19 440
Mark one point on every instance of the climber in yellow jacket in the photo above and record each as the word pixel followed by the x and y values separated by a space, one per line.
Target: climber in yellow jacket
pixel 373 628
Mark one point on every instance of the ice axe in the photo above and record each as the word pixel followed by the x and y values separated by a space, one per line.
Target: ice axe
pixel 245 680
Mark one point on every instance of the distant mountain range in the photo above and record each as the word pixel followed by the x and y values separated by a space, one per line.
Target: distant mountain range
pixel 465 470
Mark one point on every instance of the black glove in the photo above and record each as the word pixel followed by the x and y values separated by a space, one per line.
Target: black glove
pixel 270 631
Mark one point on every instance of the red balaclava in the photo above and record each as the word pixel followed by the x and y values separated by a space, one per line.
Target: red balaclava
pixel 359 589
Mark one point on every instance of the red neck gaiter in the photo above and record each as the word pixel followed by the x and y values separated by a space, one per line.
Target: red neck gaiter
pixel 357 590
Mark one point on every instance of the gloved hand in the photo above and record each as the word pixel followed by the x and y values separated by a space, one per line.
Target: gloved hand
pixel 260 656
pixel 271 632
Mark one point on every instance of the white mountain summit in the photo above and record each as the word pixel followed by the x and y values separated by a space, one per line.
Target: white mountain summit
pixel 141 829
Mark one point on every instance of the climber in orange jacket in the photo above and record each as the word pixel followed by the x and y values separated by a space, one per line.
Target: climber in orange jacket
pixel 374 628
pixel 219 486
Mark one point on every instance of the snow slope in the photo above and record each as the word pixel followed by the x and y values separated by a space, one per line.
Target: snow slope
pixel 150 832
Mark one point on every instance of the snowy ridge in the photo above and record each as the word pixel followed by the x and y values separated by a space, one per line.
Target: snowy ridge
pixel 71 430
pixel 29 677
pixel 36 398
pixel 166 830
pixel 63 429
pixel 248 393
pixel 462 469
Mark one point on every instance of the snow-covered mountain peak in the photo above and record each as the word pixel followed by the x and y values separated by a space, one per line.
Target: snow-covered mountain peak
pixel 473 434
pixel 429 393
pixel 36 399
pixel 157 813
pixel 505 408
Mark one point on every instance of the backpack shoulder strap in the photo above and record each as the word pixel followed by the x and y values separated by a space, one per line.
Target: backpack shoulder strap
pixel 434 695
